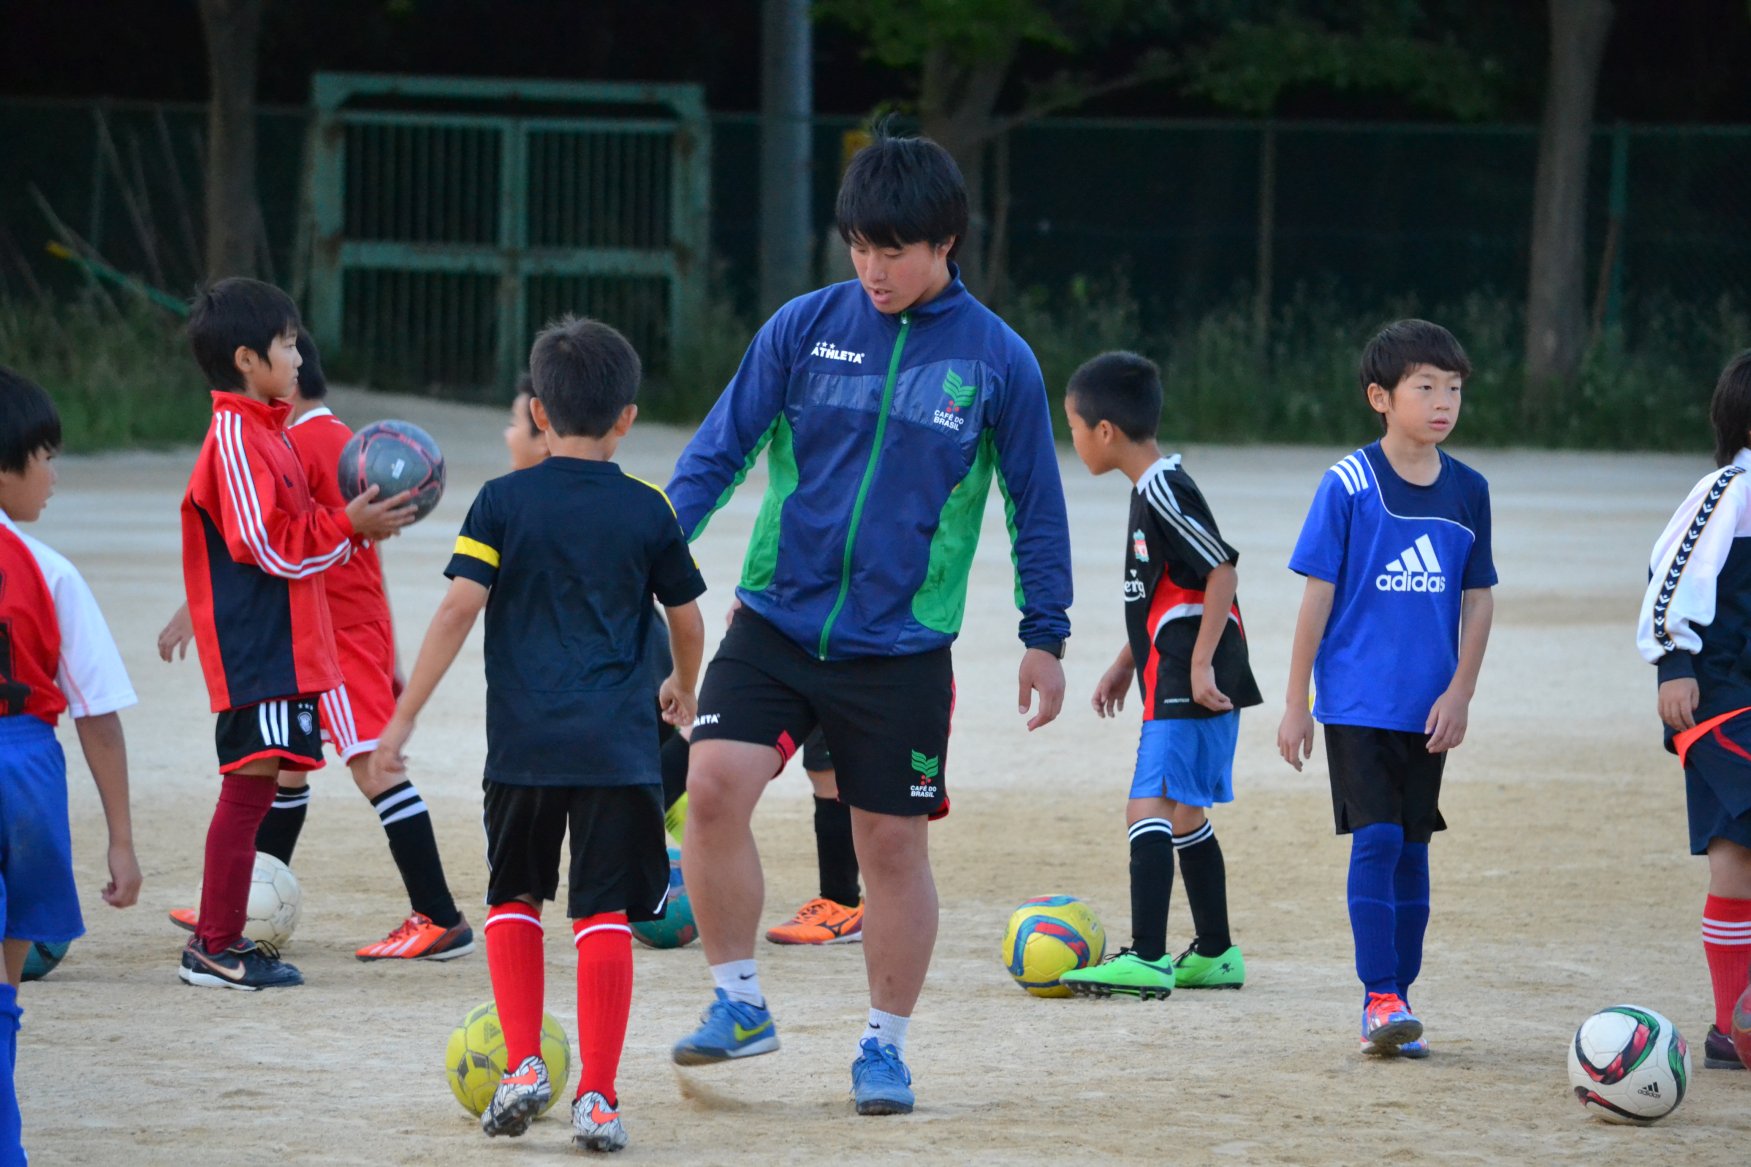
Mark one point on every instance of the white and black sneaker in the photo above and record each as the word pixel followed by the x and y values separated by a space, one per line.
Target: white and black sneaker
pixel 522 1094
pixel 596 1126
pixel 246 965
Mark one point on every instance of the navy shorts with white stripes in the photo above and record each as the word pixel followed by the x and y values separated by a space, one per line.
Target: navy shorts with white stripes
pixel 286 730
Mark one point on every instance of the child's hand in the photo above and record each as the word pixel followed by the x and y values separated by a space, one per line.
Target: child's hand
pixel 378 521
pixel 1110 690
pixel 1295 736
pixel 679 702
pixel 1447 721
pixel 1205 692
pixel 387 760
pixel 1679 698
pixel 177 634
pixel 124 876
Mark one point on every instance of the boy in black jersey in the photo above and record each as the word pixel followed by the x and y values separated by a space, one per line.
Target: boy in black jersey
pixel 1188 649
pixel 565 556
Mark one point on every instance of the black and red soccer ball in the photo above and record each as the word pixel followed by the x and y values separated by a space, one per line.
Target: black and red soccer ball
pixel 394 456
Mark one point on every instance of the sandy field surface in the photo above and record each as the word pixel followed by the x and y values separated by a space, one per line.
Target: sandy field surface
pixel 1562 886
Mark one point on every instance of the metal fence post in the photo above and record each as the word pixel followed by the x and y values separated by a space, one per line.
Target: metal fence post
pixel 328 148
pixel 513 310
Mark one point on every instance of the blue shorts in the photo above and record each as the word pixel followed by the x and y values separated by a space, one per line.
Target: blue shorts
pixel 1717 785
pixel 1187 759
pixel 38 897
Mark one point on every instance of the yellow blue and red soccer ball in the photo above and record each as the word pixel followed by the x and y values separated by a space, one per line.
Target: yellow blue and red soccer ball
pixel 676 929
pixel 1047 937
pixel 474 1061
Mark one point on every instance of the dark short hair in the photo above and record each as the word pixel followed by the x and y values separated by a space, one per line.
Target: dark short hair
pixel 899 191
pixel 1403 345
pixel 312 384
pixel 29 423
pixel 1119 387
pixel 1730 410
pixel 526 388
pixel 585 373
pixel 234 312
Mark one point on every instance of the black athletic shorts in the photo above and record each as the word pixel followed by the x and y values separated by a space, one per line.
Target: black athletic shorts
pixel 1717 785
pixel 816 755
pixel 620 857
pixel 886 718
pixel 287 731
pixel 1384 776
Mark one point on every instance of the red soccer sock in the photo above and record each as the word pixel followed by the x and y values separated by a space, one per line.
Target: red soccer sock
pixel 1726 941
pixel 513 957
pixel 244 800
pixel 604 944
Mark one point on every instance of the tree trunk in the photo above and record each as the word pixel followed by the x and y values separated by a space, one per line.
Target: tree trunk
pixel 956 104
pixel 1556 319
pixel 786 167
pixel 233 33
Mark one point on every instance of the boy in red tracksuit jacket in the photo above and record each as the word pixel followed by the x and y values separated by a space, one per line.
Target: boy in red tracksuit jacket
pixel 253 546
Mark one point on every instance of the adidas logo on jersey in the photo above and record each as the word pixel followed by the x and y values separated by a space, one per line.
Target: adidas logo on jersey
pixel 827 349
pixel 1415 570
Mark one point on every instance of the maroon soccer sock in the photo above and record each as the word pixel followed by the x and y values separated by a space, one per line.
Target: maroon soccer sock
pixel 243 802
pixel 513 957
pixel 1726 941
pixel 604 943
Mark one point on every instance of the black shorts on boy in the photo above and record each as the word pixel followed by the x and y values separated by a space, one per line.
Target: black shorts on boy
pixel 886 719
pixel 286 730
pixel 618 862
pixel 1384 776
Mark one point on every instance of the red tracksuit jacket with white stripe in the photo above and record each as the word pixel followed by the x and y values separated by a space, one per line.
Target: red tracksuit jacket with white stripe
pixel 254 545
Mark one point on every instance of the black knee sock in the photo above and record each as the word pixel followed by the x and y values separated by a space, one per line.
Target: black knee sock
pixel 278 833
pixel 406 821
pixel 835 852
pixel 1206 879
pixel 673 758
pixel 1151 886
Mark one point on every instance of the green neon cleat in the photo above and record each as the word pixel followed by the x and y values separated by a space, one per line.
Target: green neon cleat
pixel 1228 971
pixel 1123 974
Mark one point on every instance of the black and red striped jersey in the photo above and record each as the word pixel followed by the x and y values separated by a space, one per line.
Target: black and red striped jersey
pixel 1171 548
pixel 254 545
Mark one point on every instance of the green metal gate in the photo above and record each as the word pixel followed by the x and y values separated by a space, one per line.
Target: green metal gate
pixel 450 218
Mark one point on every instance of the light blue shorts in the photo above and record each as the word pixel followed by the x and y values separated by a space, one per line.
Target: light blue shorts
pixel 38 897
pixel 1187 759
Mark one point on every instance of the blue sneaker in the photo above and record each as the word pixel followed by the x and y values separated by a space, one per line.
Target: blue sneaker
pixel 880 1081
pixel 728 1029
pixel 1388 1025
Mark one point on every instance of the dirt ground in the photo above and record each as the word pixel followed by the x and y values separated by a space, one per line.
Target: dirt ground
pixel 1563 885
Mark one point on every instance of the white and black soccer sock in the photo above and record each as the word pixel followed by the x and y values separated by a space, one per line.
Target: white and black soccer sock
pixel 408 824
pixel 1151 886
pixel 739 980
pixel 887 1029
pixel 1206 880
pixel 279 831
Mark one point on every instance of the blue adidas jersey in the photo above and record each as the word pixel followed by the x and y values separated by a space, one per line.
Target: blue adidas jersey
pixel 1399 556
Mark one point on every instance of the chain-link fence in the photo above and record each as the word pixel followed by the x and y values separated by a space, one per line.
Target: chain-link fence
pixel 1186 217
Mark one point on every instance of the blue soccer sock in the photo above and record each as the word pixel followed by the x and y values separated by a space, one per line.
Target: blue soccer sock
pixel 1410 885
pixel 11 1133
pixel 1374 855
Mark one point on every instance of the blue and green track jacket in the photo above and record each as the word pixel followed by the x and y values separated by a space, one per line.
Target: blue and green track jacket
pixel 882 435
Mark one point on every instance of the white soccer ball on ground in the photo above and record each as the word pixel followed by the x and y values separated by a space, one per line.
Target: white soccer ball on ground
pixel 1628 1064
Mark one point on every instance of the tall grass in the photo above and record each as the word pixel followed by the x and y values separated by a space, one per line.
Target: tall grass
pixel 123 377
pixel 120 377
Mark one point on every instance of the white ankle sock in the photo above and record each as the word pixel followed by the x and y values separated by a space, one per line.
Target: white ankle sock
pixel 739 980
pixel 887 1029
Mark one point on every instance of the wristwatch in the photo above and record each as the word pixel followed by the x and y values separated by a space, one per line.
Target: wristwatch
pixel 1055 647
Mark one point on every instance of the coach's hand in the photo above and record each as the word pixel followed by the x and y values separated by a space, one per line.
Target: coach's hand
pixel 1679 698
pixel 1040 673
pixel 1295 735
